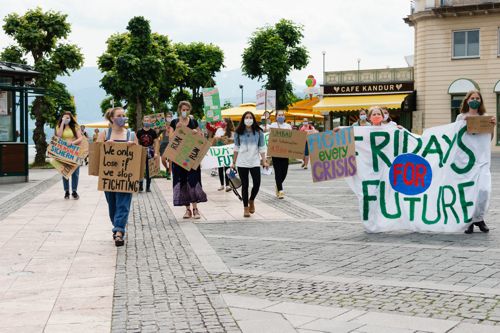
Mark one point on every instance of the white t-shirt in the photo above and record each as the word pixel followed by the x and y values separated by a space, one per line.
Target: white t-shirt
pixel 249 146
pixel 283 126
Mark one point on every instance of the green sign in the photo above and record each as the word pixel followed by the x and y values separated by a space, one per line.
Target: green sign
pixel 211 104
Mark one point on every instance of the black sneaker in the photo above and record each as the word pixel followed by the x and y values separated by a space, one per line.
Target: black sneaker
pixel 470 229
pixel 482 226
pixel 148 189
pixel 75 195
pixel 66 195
pixel 141 188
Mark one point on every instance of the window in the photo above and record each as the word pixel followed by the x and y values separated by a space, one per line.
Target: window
pixel 456 102
pixel 498 51
pixel 466 44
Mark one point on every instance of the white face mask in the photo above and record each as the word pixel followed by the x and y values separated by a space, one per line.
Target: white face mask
pixel 386 116
pixel 169 120
pixel 184 114
pixel 248 121
pixel 66 121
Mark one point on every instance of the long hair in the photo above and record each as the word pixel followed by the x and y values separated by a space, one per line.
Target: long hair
pixel 372 109
pixel 464 107
pixel 389 119
pixel 241 126
pixel 73 125
pixel 229 127
pixel 110 113
pixel 183 103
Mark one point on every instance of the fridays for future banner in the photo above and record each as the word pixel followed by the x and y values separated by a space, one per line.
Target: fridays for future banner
pixel 433 183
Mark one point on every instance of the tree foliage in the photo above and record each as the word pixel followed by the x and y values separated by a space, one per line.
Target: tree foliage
pixel 273 52
pixel 40 35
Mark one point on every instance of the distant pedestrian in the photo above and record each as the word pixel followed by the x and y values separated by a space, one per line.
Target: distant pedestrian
pixel 147 137
pixel 118 202
pixel 225 133
pixel 309 128
pixel 187 187
pixel 164 144
pixel 472 105
pixel 280 164
pixel 68 130
pixel 387 117
pixel 96 135
pixel 249 153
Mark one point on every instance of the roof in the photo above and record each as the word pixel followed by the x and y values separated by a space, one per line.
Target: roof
pixel 355 103
pixel 17 70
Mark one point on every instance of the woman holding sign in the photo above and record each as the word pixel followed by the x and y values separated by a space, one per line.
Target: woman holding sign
pixel 280 164
pixel 472 105
pixel 249 153
pixel 68 130
pixel 225 134
pixel 186 184
pixel 118 202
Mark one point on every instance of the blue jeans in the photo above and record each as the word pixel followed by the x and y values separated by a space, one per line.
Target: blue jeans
pixel 74 181
pixel 119 208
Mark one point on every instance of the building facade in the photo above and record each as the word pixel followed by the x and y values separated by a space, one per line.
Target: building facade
pixel 457 49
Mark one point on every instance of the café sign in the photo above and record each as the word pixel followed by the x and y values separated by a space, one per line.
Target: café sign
pixel 368 88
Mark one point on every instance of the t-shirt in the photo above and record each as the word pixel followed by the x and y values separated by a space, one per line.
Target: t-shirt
pixel 282 126
pixel 146 138
pixel 249 146
pixel 193 124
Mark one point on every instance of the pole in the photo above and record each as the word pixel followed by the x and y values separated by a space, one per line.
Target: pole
pixel 359 79
pixel 324 53
pixel 241 87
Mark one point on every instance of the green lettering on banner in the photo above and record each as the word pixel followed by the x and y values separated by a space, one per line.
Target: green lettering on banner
pixel 358 138
pixel 449 204
pixel 412 201
pixel 464 203
pixel 450 146
pixel 424 211
pixel 470 153
pixel 383 205
pixel 396 143
pixel 377 149
pixel 367 198
pixel 433 141
pixel 406 136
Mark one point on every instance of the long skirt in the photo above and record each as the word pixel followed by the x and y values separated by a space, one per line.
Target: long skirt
pixel 187 186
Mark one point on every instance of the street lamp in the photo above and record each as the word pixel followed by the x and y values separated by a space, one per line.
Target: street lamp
pixel 324 53
pixel 359 60
pixel 241 87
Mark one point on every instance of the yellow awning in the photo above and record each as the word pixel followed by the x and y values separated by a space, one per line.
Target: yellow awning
pixel 102 124
pixel 354 103
pixel 237 112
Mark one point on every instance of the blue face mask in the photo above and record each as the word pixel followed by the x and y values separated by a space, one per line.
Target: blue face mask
pixel 146 125
pixel 474 104
pixel 120 121
pixel 280 119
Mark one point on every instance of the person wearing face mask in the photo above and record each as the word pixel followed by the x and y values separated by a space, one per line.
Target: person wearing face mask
pixel 164 144
pixel 249 153
pixel 147 137
pixel 67 129
pixel 363 119
pixel 387 120
pixel 280 164
pixel 375 116
pixel 118 202
pixel 187 187
pixel 266 121
pixel 309 128
pixel 225 134
pixel 472 105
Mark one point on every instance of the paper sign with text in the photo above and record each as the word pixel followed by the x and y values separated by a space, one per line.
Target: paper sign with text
pixel 187 148
pixel 154 166
pixel 286 143
pixel 120 167
pixel 332 154
pixel 158 121
pixel 61 150
pixel 65 169
pixel 479 124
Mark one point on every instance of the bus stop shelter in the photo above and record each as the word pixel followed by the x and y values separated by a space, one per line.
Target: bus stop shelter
pixel 16 87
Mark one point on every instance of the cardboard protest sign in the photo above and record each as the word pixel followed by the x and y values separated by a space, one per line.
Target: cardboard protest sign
pixel 218 156
pixel 332 154
pixel 94 158
pixel 154 166
pixel 158 121
pixel 437 182
pixel 187 148
pixel 65 169
pixel 84 148
pixel 286 143
pixel 266 100
pixel 119 167
pixel 211 104
pixel 479 124
pixel 61 150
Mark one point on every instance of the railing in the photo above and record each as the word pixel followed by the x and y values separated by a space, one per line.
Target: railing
pixel 423 5
pixel 403 74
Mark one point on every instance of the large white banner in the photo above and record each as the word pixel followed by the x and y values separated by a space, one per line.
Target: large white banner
pixel 437 182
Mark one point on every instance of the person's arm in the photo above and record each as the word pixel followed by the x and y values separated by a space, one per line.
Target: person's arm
pixel 235 150
pixel 79 137
pixel 101 137
pixel 263 150
pixel 60 130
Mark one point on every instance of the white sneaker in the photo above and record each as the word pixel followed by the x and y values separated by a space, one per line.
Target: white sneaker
pixel 220 188
pixel 281 195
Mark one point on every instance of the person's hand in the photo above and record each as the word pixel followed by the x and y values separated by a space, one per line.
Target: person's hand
pixel 336 129
pixel 232 166
pixel 130 143
pixel 399 126
pixel 493 120
pixel 156 155
pixel 69 142
pixel 265 164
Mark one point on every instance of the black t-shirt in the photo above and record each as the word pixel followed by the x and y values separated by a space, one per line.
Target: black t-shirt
pixel 146 138
pixel 193 124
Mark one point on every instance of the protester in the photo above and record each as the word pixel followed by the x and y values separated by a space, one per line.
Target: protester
pixel 186 185
pixel 375 115
pixel 309 128
pixel 280 164
pixel 118 202
pixel 472 105
pixel 248 145
pixel 96 135
pixel 363 119
pixel 266 121
pixel 68 130
pixel 85 137
pixel 164 144
pixel 226 133
pixel 387 117
pixel 147 137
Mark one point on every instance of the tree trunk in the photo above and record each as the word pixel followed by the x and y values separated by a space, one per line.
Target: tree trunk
pixel 39 133
pixel 138 113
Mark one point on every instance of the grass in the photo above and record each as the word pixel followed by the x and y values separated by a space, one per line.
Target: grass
pixel 47 165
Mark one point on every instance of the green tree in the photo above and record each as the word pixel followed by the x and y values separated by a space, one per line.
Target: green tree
pixel 203 61
pixel 109 102
pixel 227 105
pixel 39 34
pixel 273 52
pixel 140 68
pixel 179 95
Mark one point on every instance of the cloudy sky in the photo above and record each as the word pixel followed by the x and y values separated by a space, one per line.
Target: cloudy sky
pixel 372 31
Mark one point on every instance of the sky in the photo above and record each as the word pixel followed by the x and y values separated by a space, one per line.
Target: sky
pixel 372 31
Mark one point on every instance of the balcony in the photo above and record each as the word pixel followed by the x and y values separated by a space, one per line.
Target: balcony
pixel 429 5
pixel 424 9
pixel 385 75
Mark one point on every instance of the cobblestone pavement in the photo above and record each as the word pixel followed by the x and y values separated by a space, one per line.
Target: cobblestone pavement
pixel 324 257
pixel 160 284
